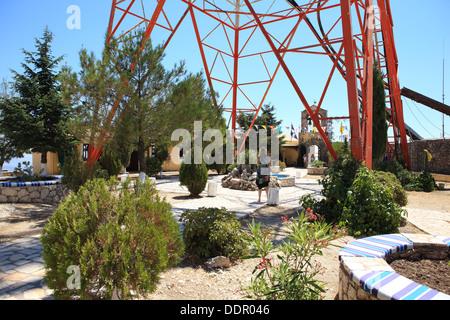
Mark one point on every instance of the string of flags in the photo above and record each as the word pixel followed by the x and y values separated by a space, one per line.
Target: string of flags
pixel 271 127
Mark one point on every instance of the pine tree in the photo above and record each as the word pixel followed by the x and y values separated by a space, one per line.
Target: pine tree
pixel 8 150
pixel 37 119
pixel 158 101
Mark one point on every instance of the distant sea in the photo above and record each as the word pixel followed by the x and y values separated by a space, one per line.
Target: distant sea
pixel 11 165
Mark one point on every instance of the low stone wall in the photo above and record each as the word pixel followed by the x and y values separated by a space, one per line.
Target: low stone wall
pixel 438 148
pixel 316 171
pixel 364 273
pixel 33 192
pixel 288 181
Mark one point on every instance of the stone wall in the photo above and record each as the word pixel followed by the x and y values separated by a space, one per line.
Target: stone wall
pixel 440 151
pixel 33 194
pixel 349 290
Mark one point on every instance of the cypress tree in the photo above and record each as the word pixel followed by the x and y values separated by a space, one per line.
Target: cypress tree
pixel 379 135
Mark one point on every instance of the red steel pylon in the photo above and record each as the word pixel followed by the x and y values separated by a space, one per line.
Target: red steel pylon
pixel 273 35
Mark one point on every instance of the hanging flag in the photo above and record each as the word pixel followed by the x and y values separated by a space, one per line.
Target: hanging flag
pixel 341 129
pixel 271 127
pixel 429 157
pixel 264 127
pixel 293 132
pixel 279 129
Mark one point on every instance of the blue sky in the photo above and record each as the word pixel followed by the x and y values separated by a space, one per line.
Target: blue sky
pixel 421 28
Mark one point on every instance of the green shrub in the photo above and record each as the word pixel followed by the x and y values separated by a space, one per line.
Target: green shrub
pixel 317 164
pixel 403 175
pixel 424 181
pixel 76 172
pixel 117 238
pixel 366 201
pixel 25 173
pixel 194 177
pixel 389 180
pixel 110 161
pixel 282 165
pixel 338 178
pixel 153 166
pixel 210 232
pixel 370 208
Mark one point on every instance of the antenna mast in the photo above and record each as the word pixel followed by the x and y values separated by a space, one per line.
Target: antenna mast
pixel 443 86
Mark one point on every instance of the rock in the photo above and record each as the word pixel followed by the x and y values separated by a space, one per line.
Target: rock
pixel 44 193
pixel 35 195
pixel 9 192
pixel 218 262
pixel 234 173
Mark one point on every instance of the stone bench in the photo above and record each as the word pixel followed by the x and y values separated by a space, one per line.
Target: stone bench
pixel 364 273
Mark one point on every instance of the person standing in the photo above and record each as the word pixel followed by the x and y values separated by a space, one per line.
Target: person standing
pixel 263 173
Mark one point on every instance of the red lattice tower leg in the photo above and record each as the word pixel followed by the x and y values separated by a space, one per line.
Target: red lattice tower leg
pixel 230 34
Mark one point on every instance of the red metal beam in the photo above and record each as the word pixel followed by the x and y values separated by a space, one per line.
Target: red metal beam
pixel 394 86
pixel 368 85
pixel 292 80
pixel 352 87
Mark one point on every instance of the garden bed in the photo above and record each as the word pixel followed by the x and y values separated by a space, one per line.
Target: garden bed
pixel 316 171
pixel 367 273
pixel 431 273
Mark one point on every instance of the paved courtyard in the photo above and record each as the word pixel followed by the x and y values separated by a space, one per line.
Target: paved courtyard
pixel 22 267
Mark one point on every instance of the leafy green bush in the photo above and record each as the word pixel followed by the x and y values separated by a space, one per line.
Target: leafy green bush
pixel 76 172
pixel 338 178
pixel 282 165
pixel 210 232
pixel 294 275
pixel 110 161
pixel 194 177
pixel 317 164
pixel 424 181
pixel 389 180
pixel 118 238
pixel 360 198
pixel 153 166
pixel 370 208
pixel 403 175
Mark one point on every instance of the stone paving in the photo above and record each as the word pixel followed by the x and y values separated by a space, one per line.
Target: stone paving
pixel 22 267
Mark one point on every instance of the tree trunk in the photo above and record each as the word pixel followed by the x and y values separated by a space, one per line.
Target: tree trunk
pixel 141 156
pixel 44 162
